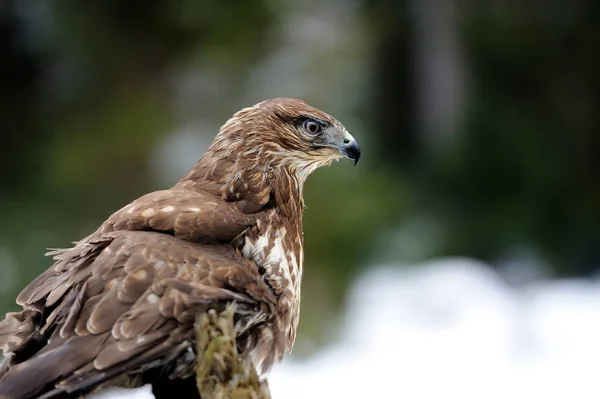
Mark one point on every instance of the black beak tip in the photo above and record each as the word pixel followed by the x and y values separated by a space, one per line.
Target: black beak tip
pixel 352 151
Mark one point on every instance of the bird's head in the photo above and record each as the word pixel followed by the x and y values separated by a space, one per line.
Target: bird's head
pixel 289 133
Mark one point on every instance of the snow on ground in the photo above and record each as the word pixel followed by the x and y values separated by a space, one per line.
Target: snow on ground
pixel 452 328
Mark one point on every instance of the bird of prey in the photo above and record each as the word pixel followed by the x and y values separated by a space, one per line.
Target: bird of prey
pixel 123 300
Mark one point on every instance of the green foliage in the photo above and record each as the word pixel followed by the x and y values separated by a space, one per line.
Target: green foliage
pixel 522 167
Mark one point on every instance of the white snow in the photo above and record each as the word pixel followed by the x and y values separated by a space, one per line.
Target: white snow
pixel 452 328
pixel 144 392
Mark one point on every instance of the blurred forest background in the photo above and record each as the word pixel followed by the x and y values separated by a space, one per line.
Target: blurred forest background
pixel 478 121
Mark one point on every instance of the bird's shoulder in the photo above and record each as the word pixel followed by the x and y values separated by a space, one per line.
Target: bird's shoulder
pixel 189 214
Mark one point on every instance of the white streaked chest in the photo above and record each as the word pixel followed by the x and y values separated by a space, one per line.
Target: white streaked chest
pixel 281 258
pixel 271 251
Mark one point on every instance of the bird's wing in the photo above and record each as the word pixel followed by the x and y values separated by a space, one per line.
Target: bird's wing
pixel 190 215
pixel 187 214
pixel 122 301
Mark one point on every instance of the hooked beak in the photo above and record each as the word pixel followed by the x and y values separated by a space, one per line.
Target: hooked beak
pixel 342 141
pixel 350 149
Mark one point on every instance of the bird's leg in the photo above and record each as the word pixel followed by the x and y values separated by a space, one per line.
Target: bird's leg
pixel 221 373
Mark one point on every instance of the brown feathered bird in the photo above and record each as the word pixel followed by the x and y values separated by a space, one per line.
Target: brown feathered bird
pixel 123 300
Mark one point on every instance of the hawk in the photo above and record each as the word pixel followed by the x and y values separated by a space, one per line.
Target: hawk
pixel 124 299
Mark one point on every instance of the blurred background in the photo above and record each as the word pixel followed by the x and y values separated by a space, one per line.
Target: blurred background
pixel 478 121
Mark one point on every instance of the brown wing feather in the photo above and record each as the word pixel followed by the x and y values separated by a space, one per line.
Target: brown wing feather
pixel 122 298
pixel 68 264
pixel 190 215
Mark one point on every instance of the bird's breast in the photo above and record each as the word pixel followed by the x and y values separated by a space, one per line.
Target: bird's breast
pixel 278 253
pixel 276 256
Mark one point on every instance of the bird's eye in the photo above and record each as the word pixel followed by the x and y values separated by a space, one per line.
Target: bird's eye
pixel 311 126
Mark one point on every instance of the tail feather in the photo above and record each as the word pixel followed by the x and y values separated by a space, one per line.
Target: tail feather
pixel 27 379
pixel 94 379
pixel 71 368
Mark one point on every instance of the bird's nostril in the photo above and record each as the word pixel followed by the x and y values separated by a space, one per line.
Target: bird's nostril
pixel 346 141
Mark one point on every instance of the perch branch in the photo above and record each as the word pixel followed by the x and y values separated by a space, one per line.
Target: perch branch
pixel 221 373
